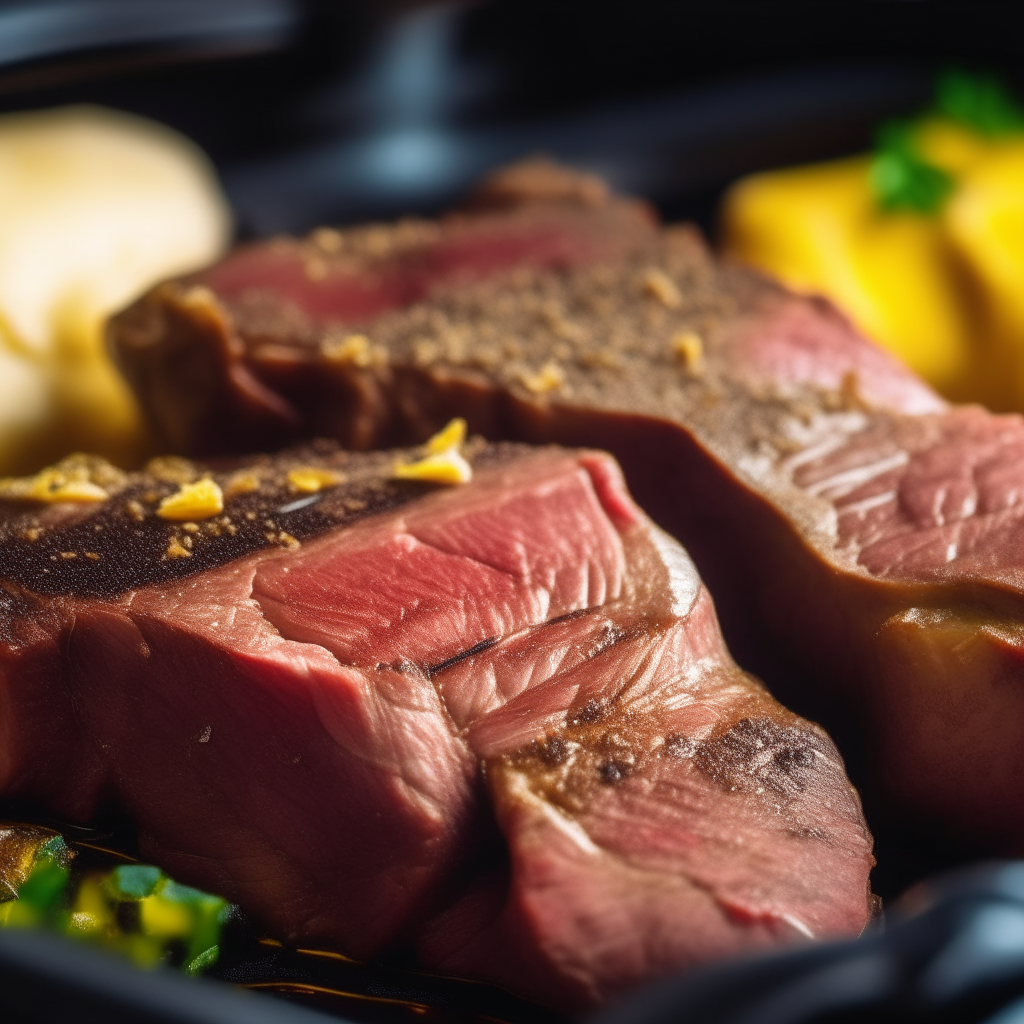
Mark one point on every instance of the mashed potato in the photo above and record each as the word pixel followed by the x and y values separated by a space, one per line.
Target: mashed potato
pixel 95 206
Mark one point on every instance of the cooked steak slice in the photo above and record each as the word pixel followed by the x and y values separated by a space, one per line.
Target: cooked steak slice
pixel 494 721
pixel 860 536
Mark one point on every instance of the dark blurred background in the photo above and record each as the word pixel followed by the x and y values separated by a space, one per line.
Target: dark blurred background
pixel 317 111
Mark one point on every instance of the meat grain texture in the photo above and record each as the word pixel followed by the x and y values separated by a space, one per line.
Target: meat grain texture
pixel 495 723
pixel 861 536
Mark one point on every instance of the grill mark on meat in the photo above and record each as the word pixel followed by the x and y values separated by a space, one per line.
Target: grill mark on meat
pixel 434 670
pixel 755 757
pixel 757 754
pixel 569 616
pixel 614 771
pixel 678 745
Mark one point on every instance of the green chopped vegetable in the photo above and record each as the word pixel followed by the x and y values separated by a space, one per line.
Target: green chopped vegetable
pixel 900 178
pixel 134 881
pixel 133 909
pixel 979 102
pixel 44 888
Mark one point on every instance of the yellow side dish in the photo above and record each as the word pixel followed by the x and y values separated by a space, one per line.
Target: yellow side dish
pixel 985 224
pixel 937 275
pixel 818 229
pixel 95 206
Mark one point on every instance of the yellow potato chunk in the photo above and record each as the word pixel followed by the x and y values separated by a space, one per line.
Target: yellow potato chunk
pixel 943 290
pixel 819 230
pixel 985 221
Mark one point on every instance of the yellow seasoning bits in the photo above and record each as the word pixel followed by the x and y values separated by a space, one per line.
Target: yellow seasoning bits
pixel 193 501
pixel 658 284
pixel 353 348
pixel 444 468
pixel 689 349
pixel 175 549
pixel 51 485
pixel 77 477
pixel 243 482
pixel 310 479
pixel 550 378
pixel 443 463
pixel 451 437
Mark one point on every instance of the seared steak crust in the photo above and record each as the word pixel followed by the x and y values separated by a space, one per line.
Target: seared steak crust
pixel 859 534
pixel 494 722
pixel 110 548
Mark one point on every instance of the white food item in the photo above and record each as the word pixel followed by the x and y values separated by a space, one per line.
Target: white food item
pixel 95 206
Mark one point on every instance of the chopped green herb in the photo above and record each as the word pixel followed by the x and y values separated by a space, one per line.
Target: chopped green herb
pixel 203 962
pixel 900 178
pixel 979 102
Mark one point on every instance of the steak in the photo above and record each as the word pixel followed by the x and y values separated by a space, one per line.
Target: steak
pixel 493 723
pixel 862 537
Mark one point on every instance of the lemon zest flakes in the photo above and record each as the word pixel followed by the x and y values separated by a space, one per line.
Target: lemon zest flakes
pixel 449 438
pixel 353 348
pixel 200 500
pixel 310 479
pixel 443 463
pixel 689 349
pixel 243 482
pixel 442 468
pixel 659 285
pixel 550 378
pixel 51 485
pixel 175 549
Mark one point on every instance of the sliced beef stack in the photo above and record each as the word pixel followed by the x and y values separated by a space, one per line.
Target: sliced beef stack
pixel 495 721
pixel 860 536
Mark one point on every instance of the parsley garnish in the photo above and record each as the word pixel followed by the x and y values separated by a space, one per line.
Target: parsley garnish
pixel 979 102
pixel 900 178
